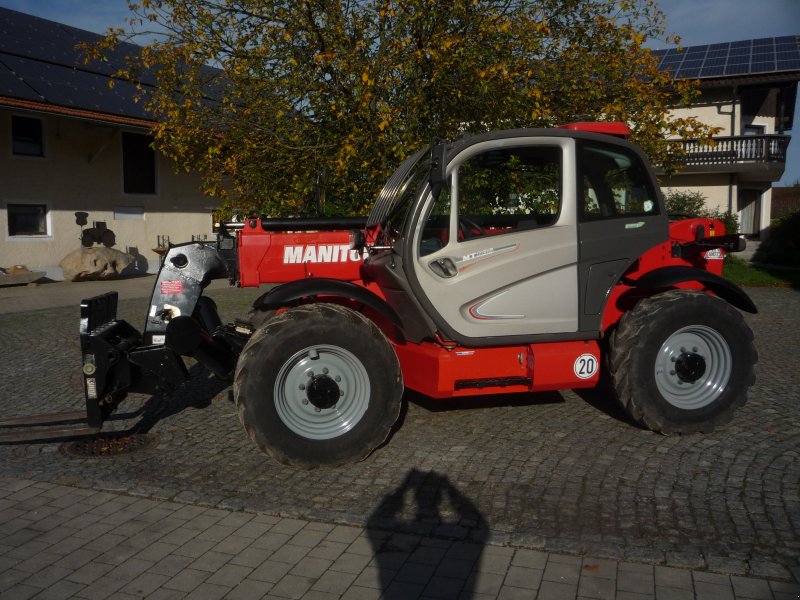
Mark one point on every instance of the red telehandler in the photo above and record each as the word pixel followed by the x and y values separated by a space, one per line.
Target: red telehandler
pixel 506 262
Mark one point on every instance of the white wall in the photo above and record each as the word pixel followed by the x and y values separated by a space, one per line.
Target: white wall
pixel 82 171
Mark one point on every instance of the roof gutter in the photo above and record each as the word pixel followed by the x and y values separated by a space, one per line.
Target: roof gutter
pixel 77 113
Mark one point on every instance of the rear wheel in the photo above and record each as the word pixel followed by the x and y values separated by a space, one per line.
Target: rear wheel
pixel 682 361
pixel 318 385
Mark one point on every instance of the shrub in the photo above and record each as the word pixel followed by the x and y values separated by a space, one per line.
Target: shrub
pixel 782 247
pixel 693 204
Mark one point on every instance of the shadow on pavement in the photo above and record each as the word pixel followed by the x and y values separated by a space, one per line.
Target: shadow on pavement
pixel 426 504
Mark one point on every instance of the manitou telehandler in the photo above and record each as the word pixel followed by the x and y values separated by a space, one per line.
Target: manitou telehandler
pixel 506 262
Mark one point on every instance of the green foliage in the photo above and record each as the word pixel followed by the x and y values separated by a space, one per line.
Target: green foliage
pixel 742 273
pixel 355 86
pixel 682 203
pixel 693 204
pixel 782 247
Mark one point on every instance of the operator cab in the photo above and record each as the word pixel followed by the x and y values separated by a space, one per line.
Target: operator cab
pixel 514 236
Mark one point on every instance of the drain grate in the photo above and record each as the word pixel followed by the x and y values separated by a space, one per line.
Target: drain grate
pixel 109 445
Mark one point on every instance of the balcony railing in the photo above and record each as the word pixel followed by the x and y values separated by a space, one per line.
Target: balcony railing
pixel 738 149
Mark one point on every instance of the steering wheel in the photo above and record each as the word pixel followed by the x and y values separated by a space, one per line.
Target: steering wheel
pixel 467 228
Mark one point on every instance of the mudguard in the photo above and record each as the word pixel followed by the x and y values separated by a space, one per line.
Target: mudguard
pixel 294 290
pixel 669 276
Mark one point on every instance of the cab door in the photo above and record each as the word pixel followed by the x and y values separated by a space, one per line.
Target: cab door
pixel 496 251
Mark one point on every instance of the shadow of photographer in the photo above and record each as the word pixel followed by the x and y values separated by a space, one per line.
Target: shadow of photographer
pixel 427 539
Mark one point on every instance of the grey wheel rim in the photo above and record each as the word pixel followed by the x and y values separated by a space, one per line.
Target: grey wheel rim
pixel 322 392
pixel 693 367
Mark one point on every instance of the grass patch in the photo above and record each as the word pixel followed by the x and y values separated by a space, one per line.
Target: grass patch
pixel 743 273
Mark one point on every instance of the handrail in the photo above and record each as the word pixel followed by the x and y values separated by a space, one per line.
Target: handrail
pixel 736 149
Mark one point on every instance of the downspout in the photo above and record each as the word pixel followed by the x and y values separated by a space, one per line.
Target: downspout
pixel 733 134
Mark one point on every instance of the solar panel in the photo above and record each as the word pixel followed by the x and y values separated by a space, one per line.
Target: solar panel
pixel 744 57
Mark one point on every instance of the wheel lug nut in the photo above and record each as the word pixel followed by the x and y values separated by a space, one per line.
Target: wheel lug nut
pixel 302 386
pixel 305 401
pixel 694 350
pixel 673 359
pixel 325 371
pixel 672 372
pixel 683 349
pixel 317 410
pixel 337 379
pixel 341 392
pixel 310 373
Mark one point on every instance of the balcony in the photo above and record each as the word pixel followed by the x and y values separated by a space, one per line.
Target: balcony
pixel 755 157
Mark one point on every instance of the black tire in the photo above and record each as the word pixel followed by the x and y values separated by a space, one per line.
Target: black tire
pixel 258 316
pixel 682 362
pixel 318 385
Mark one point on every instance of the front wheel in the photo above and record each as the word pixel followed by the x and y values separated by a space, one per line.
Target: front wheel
pixel 318 385
pixel 682 362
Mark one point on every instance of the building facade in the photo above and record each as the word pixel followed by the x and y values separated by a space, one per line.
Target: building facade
pixel 748 91
pixel 73 151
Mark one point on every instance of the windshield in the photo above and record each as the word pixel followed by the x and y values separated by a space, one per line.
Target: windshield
pixel 398 194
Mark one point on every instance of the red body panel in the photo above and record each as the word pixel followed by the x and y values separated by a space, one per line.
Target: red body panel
pixel 442 371
pixel 433 370
pixel 269 257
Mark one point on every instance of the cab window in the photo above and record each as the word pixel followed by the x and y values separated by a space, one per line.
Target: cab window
pixel 499 191
pixel 613 184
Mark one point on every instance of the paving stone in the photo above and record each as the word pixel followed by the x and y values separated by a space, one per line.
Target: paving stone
pixel 187 580
pixel 292 586
pixel 145 584
pixel 270 571
pixel 334 582
pixel 60 590
pixel 288 526
pixel 530 559
pixel 171 565
pixel 596 587
pixel 557 591
pixel 521 577
pixel 444 588
pixel 21 592
pixel 484 583
pixel 673 578
pixel 249 589
pixel 373 577
pixel 562 572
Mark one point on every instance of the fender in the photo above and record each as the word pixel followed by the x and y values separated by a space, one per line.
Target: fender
pixel 302 288
pixel 669 276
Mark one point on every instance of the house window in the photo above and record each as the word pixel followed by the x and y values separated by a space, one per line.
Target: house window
pixel 138 164
pixel 27 219
pixel 26 136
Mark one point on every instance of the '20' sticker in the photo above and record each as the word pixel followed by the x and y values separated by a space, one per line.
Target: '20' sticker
pixel 586 366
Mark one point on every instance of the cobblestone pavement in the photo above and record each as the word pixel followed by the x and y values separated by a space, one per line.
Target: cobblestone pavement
pixel 557 473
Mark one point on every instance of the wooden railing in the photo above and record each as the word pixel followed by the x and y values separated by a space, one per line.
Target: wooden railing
pixel 738 149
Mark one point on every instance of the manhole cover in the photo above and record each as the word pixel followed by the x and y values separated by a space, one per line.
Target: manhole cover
pixel 109 445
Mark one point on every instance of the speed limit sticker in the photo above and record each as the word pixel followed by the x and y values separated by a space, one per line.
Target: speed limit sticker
pixel 585 366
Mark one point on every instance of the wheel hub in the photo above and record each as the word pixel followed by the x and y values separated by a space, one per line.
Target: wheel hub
pixel 323 392
pixel 693 367
pixel 690 367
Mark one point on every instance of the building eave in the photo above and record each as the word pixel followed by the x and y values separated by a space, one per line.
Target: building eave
pixel 77 113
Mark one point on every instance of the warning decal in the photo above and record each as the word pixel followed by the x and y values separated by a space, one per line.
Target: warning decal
pixel 171 286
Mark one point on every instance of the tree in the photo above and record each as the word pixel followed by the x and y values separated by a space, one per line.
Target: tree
pixel 260 96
